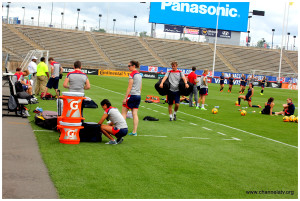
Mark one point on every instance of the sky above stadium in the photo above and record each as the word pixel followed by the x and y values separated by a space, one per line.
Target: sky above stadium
pixel 123 12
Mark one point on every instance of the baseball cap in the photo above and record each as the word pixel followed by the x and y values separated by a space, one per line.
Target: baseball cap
pixel 33 58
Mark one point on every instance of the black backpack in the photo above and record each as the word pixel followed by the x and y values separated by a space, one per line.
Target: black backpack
pixel 18 86
pixel 165 90
pixel 12 104
pixel 47 120
pixel 185 91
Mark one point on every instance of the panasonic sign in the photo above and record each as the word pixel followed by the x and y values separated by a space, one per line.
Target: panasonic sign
pixel 233 16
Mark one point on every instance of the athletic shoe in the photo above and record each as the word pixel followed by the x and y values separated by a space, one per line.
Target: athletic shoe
pixel 197 108
pixel 25 113
pixel 171 119
pixel 261 94
pixel 203 108
pixel 228 91
pixel 133 134
pixel 174 117
pixel 120 140
pixel 221 91
pixel 259 106
pixel 111 142
pixel 237 105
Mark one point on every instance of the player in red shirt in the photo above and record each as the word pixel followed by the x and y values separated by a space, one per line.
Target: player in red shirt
pixel 192 78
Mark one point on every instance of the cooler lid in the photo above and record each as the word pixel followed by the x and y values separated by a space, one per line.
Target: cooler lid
pixel 69 124
pixel 67 93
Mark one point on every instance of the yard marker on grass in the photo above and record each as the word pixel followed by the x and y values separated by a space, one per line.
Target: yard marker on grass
pixel 237 129
pixel 207 128
pixel 233 138
pixel 196 138
pixel 221 133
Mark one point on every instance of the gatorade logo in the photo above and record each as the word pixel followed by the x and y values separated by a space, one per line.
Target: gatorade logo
pixel 74 105
pixel 201 9
pixel 70 134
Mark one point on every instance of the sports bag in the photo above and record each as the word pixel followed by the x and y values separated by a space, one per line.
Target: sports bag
pixel 19 86
pixel 166 87
pixel 47 120
pixel 185 91
pixel 90 133
pixel 89 104
pixel 12 104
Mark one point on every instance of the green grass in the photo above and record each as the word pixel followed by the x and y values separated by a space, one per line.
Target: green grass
pixel 215 166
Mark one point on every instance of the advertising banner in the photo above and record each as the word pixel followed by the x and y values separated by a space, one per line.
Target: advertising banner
pixel 114 73
pixel 273 85
pixel 173 29
pixel 149 75
pixel 233 16
pixel 86 71
pixel 191 30
pixel 212 33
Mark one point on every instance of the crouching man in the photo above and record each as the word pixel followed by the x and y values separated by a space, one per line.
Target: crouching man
pixel 117 127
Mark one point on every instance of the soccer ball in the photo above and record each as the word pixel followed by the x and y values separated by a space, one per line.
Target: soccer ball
pixel 243 112
pixel 286 119
pixel 214 111
pixel 236 102
pixel 292 118
pixel 296 119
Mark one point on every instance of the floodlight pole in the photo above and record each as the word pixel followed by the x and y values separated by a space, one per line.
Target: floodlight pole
pixel 114 20
pixel 134 24
pixel 62 16
pixel 216 37
pixel 39 7
pixel 287 45
pixel 273 30
pixel 23 14
pixel 78 10
pixel 294 42
pixel 51 15
pixel 99 20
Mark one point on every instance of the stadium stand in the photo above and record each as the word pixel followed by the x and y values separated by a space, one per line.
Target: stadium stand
pixel 65 46
pixel 245 59
pixel 103 50
pixel 121 49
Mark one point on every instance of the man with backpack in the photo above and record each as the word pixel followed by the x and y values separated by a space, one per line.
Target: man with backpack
pixel 53 82
pixel 174 77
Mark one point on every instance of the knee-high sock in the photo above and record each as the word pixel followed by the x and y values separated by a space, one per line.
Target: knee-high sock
pixel 239 101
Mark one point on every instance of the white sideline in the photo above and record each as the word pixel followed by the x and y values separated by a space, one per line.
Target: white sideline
pixel 221 133
pixel 266 138
pixel 207 128
pixel 196 138
pixel 233 138
pixel 43 131
pixel 193 124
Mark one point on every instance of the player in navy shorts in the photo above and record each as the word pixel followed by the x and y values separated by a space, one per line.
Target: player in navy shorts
pixel 269 107
pixel 248 97
pixel 263 81
pixel 231 79
pixel 133 95
pixel 288 109
pixel 243 84
pixel 222 82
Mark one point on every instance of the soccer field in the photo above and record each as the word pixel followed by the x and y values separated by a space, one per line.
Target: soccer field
pixel 201 155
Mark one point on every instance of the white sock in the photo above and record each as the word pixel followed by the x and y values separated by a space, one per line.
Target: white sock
pixel 171 116
pixel 174 112
pixel 197 104
pixel 202 105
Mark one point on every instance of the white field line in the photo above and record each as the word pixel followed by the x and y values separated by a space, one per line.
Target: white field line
pixel 148 108
pixel 196 138
pixel 43 131
pixel 163 113
pixel 221 133
pixel 180 119
pixel 151 136
pixel 160 136
pixel 207 128
pixel 155 111
pixel 145 135
pixel 193 124
pixel 233 138
pixel 237 129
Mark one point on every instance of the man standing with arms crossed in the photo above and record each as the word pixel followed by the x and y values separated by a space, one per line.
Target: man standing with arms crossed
pixel 192 77
pixel 174 76
pixel 203 90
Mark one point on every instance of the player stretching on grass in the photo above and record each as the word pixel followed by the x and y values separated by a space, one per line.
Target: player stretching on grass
pixel 231 79
pixel 248 97
pixel 222 82
pixel 117 127
pixel 132 98
pixel 174 76
pixel 203 90
pixel 243 84
pixel 288 109
pixel 263 81
pixel 269 107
